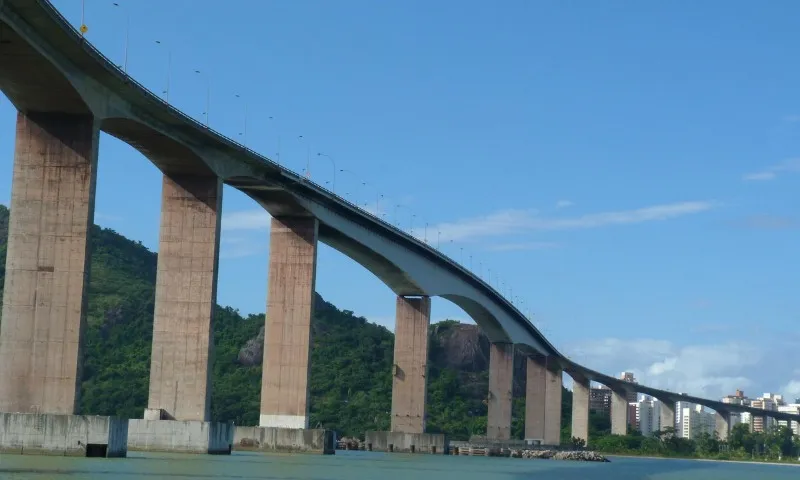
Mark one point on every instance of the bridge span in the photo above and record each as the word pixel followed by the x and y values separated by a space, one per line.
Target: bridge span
pixel 66 92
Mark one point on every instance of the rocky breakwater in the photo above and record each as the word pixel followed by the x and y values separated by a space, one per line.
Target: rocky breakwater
pixel 576 455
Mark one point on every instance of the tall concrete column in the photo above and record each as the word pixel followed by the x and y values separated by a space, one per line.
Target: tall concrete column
pixel 409 389
pixel 722 424
pixel 535 395
pixel 667 416
pixel 186 290
pixel 47 264
pixel 619 412
pixel 287 330
pixel 501 382
pixel 552 406
pixel 580 407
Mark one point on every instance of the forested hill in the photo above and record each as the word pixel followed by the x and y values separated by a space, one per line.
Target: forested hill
pixel 350 365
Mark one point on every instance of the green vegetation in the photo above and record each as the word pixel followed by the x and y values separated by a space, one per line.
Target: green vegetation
pixel 776 445
pixel 350 378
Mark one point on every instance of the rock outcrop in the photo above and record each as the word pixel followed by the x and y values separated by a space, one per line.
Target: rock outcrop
pixel 575 455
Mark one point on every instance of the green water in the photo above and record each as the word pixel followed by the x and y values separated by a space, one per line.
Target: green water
pixel 367 465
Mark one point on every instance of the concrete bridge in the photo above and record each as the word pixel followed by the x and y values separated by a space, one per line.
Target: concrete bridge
pixel 66 92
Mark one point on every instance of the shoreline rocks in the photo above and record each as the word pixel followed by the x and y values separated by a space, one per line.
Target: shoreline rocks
pixel 574 455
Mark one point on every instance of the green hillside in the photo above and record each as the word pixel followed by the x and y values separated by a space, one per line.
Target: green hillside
pixel 350 365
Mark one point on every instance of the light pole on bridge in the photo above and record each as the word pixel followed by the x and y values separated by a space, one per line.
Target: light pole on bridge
pixel 169 70
pixel 208 94
pixel 127 35
pixel 333 162
pixel 244 134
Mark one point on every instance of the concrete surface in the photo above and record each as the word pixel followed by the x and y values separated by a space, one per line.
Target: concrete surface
pixel 409 378
pixel 180 436
pixel 501 378
pixel 535 388
pixel 284 440
pixel 287 331
pixel 619 412
pixel 667 415
pixel 552 406
pixel 580 407
pixel 186 287
pixel 44 301
pixel 400 442
pixel 70 435
pixel 722 424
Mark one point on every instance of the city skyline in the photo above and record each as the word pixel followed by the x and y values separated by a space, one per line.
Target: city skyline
pixel 595 253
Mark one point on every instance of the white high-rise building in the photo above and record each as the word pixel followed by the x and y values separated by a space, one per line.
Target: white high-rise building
pixel 790 408
pixel 648 416
pixel 696 421
pixel 679 408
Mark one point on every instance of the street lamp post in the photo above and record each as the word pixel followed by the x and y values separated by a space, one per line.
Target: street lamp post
pixel 333 162
pixel 169 71
pixel 208 95
pixel 127 34
pixel 308 156
pixel 359 182
pixel 244 135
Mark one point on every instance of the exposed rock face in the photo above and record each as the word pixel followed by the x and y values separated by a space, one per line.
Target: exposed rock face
pixel 252 353
pixel 459 346
pixel 576 455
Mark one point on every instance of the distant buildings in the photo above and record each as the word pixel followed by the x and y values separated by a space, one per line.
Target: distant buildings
pixel 696 421
pixel 600 400
pixel 791 408
pixel 768 401
pixel 648 416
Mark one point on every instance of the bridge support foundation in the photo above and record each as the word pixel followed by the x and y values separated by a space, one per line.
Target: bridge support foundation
pixel 535 395
pixel 552 406
pixel 722 425
pixel 287 330
pixel 47 264
pixel 580 407
pixel 410 364
pixel 619 412
pixel 501 382
pixel 188 255
pixel 667 415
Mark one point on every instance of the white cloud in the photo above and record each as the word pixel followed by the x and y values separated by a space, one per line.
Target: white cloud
pixel 791 390
pixel 706 370
pixel 564 204
pixel 772 172
pixel 257 219
pixel 517 221
pixel 513 247
pixel 242 246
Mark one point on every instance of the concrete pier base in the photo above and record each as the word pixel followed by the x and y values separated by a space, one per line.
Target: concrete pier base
pixel 63 435
pixel 180 436
pixel 501 379
pixel 400 442
pixel 274 439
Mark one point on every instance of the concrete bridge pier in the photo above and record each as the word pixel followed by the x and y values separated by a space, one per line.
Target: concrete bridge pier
pixel 722 424
pixel 667 415
pixel 283 419
pixel 409 384
pixel 619 412
pixel 178 407
pixel 535 398
pixel 287 330
pixel 44 300
pixel 501 382
pixel 580 406
pixel 552 405
pixel 409 388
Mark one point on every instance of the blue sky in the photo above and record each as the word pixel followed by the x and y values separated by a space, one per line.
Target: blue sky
pixel 629 169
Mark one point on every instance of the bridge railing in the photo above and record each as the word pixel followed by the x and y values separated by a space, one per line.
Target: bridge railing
pixel 124 76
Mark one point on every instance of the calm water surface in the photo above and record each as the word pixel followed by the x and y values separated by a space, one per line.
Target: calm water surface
pixel 368 465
